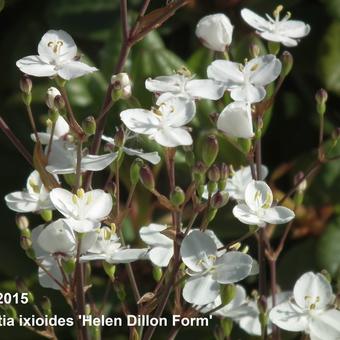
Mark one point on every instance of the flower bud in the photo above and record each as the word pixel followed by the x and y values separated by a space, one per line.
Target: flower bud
pixel 10 311
pixel 287 63
pixel 121 293
pixel 89 125
pixel 273 47
pixel 119 137
pixel 135 170
pixel 219 200
pixel 69 265
pixel 212 187
pixel 198 172
pixel 51 94
pixel 214 173
pixel 177 196
pixel 25 84
pixel 228 293
pixel 109 269
pixel 22 222
pixel 46 215
pixel 210 150
pixel 215 32
pixel 157 273
pixel 211 214
pixel 22 288
pixel 213 116
pixel 321 97
pixel 121 86
pixel 30 254
pixel 224 171
pixel 227 326
pixel 25 243
pixel 59 103
pixel 200 190
pixel 146 177
pixel 46 305
pixel 254 50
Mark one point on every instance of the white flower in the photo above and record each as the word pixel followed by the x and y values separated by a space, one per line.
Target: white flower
pixel 215 32
pixel 285 31
pixel 83 211
pixel 310 310
pixel 236 120
pixel 108 248
pixel 165 123
pixel 61 129
pixel 63 159
pixel 121 81
pixel 257 208
pixel 184 86
pixel 52 92
pixel 57 56
pixel 208 270
pixel 152 157
pixel 246 82
pixel 56 241
pixel 35 198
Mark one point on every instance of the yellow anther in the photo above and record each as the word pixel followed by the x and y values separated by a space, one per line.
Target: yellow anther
pixel 107 234
pixel 277 11
pixel 89 198
pixel 235 246
pixel 184 72
pixel 74 199
pixel 113 228
pixel 49 123
pixel 245 250
pixel 267 202
pixel 55 45
pixel 254 67
pixel 156 111
pixel 34 186
pixel 80 193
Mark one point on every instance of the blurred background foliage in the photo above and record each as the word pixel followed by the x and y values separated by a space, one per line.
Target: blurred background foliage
pixel 289 144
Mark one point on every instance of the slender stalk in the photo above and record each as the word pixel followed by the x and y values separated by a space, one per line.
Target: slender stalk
pixel 32 122
pixel 49 146
pixel 78 165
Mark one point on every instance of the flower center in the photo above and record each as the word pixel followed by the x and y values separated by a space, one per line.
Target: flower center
pixel 55 46
pixel 311 302
pixel 34 186
pixel 207 261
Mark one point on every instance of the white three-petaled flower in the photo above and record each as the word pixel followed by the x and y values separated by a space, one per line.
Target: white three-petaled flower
pixel 310 310
pixel 246 82
pixel 57 56
pixel 35 198
pixel 257 208
pixel 164 123
pixel 108 248
pixel 207 270
pixel 181 85
pixel 285 31
pixel 83 211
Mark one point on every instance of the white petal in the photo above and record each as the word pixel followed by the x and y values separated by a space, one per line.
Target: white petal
pixel 248 93
pixel 34 66
pixel 293 28
pixel 263 70
pixel 258 195
pixel 227 72
pixel 232 267
pixel 152 157
pixel 164 84
pixel 140 121
pixel 194 246
pixel 288 317
pixel 244 214
pixel 38 251
pixel 82 226
pixel 57 237
pixel 93 257
pixel 152 235
pixel 127 255
pixel 254 20
pixel 62 158
pixel 326 325
pixel 284 40
pixel 278 215
pixel 205 88
pixel 161 256
pixel 99 205
pixel 200 290
pixel 75 69
pixel 316 288
pixel 61 128
pixel 236 121
pixel 97 163
pixel 21 201
pixel 62 200
pixel 172 137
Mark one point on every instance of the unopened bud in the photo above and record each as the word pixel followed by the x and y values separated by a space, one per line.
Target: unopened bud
pixel 121 86
pixel 227 326
pixel 300 181
pixel 212 187
pixel 228 293
pixel 22 222
pixel 135 170
pixel 287 63
pixel 214 173
pixel 25 243
pixel 109 269
pixel 157 273
pixel 89 125
pixel 224 171
pixel 211 214
pixel 177 196
pixel 146 177
pixel 254 50
pixel 119 137
pixel 26 84
pixel 59 103
pixel 10 311
pixel 321 97
pixel 46 215
pixel 210 150
pixel 198 172
pixel 219 200
pixel 30 254
pixel 46 305
pixel 245 144
pixel 214 117
pixel 200 190
pixel 51 94
pixel 120 290
pixel 274 47
pixel 69 265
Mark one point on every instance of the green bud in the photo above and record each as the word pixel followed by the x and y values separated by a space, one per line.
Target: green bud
pixel 26 232
pixel 46 306
pixel 121 86
pixel 263 317
pixel 198 172
pixel 245 144
pixel 222 183
pixel 25 84
pixel 228 293
pixel 227 326
pixel 89 125
pixel 135 170
pixel 120 290
pixel 22 222
pixel 25 242
pixel 210 150
pixel 212 187
pixel 177 196
pixel 27 98
pixel 53 116
pixel 30 254
pixel 219 200
pixel 211 214
pixel 214 173
pixel 254 50
pixel 274 47
pixel 287 62
pixel 109 269
pixel 321 97
pixel 69 265
pixel 224 171
pixel 46 215
pixel 119 137
pixel 146 177
pixel 70 179
pixel 200 190
pixel 157 273
pixel 10 311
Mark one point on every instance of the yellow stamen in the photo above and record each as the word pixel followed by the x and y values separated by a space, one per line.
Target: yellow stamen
pixel 80 193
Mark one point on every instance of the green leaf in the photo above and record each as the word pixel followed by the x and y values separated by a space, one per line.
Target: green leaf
pixel 328 248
